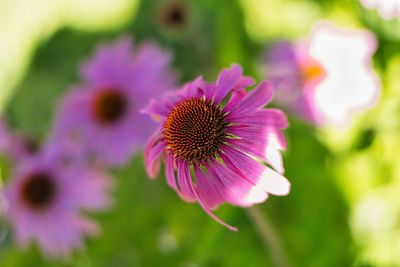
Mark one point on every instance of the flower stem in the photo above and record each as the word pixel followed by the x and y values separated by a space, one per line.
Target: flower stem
pixel 269 236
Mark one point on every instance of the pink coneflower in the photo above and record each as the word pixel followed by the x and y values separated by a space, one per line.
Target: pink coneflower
pixel 44 200
pixel 103 113
pixel 216 136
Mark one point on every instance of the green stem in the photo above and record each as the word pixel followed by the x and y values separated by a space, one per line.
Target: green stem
pixel 269 236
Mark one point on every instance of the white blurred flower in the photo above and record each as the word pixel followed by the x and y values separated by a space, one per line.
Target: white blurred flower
pixel 387 9
pixel 350 84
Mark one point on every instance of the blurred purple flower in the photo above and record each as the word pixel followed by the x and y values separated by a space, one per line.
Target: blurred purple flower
pixel 103 114
pixel 224 135
pixel 387 9
pixel 326 78
pixel 44 200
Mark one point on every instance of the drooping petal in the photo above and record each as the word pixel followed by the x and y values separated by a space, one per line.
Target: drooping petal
pixel 267 153
pixel 184 181
pixel 275 144
pixel 265 179
pixel 152 154
pixel 233 186
pixel 251 147
pixel 275 183
pixel 265 143
pixel 207 210
pixel 170 172
pixel 208 189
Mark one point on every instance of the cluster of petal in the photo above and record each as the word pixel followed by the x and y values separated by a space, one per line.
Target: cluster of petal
pixel 136 75
pixel 237 174
pixel 327 78
pixel 59 227
pixel 387 9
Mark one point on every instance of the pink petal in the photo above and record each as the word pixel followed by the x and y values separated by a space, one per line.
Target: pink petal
pixel 207 189
pixel 233 186
pixel 156 108
pixel 264 179
pixel 244 81
pixel 264 143
pixel 170 172
pixel 226 81
pixel 265 117
pixel 275 143
pixel 191 89
pixel 257 98
pixel 274 183
pixel 236 98
pixel 184 181
pixel 152 153
pixel 207 210
pixel 209 90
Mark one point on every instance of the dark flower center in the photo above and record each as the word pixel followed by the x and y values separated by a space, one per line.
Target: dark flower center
pixel 195 129
pixel 39 190
pixel 109 106
pixel 176 15
pixel 173 14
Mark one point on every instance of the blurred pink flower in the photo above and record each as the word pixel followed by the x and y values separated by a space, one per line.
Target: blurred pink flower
pixel 295 76
pixel 102 115
pixel 387 9
pixel 326 78
pixel 44 200
pixel 350 84
pixel 224 135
